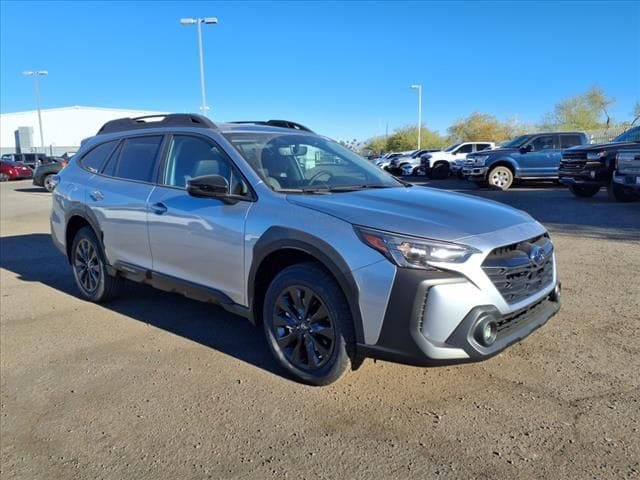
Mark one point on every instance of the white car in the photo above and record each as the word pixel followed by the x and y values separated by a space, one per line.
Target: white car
pixel 438 165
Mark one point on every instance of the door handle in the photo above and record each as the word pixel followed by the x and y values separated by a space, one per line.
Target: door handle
pixel 159 208
pixel 96 195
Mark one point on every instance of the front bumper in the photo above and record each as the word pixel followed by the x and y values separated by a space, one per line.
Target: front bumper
pixel 432 318
pixel 629 182
pixel 579 174
pixel 475 173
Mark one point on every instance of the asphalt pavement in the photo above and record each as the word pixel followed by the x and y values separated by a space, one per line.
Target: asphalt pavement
pixel 156 386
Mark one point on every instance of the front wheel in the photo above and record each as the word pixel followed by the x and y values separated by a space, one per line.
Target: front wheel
pixel 89 268
pixel 308 324
pixel 500 177
pixel 440 171
pixel 584 191
pixel 618 193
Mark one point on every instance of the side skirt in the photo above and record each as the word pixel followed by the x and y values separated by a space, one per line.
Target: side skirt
pixel 171 284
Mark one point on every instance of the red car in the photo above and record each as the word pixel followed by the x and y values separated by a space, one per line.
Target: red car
pixel 14 170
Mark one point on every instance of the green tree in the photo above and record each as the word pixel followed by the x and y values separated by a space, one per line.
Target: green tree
pixel 587 111
pixel 483 126
pixel 406 138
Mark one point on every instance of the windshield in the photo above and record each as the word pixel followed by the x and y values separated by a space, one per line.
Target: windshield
pixel 306 163
pixel 631 135
pixel 452 147
pixel 517 142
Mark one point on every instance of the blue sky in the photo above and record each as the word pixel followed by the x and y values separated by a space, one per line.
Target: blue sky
pixel 342 68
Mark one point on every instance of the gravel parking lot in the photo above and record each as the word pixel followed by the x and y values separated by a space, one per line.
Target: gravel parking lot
pixel 158 386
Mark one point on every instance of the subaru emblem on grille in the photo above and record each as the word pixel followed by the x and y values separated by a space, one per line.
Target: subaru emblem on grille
pixel 537 255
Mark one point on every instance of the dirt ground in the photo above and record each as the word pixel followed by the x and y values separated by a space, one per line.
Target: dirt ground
pixel 157 386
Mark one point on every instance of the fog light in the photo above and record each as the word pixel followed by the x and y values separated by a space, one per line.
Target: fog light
pixel 486 332
pixel 593 174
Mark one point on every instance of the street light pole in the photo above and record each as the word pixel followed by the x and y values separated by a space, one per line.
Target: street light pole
pixel 199 22
pixel 419 88
pixel 35 74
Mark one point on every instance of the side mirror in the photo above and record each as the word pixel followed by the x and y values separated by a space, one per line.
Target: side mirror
pixel 526 148
pixel 212 186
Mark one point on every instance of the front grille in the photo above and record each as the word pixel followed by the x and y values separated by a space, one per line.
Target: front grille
pixel 521 269
pixel 569 155
pixel 572 166
pixel 517 319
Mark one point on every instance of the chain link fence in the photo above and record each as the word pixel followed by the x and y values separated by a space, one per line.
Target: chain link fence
pixel 604 135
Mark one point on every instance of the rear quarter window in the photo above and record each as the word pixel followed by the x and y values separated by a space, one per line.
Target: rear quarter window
pixel 94 160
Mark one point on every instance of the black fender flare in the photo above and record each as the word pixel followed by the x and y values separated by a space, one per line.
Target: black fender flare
pixel 279 238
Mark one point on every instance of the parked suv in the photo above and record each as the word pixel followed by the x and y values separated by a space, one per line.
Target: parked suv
pixel 46 171
pixel 337 261
pixel 585 170
pixel 527 157
pixel 439 164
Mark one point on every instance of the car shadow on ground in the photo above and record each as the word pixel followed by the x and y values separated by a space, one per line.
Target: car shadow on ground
pixel 31 190
pixel 34 258
pixel 557 209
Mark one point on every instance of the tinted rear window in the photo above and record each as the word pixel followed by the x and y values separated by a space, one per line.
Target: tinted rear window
pixel 567 141
pixel 137 158
pixel 94 160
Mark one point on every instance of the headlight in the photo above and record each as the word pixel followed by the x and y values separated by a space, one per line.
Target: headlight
pixel 628 163
pixel 596 155
pixel 410 252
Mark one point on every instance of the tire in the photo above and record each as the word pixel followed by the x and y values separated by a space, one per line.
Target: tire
pixel 584 191
pixel 500 177
pixel 46 182
pixel 417 171
pixel 89 268
pixel 314 345
pixel 440 171
pixel 619 193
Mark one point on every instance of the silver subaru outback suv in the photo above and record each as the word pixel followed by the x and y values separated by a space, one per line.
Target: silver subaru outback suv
pixel 335 258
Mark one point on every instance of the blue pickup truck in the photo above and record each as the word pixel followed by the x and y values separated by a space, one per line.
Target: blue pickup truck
pixel 533 156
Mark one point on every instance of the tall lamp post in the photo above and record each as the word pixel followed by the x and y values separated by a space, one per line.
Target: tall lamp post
pixel 419 88
pixel 199 22
pixel 35 74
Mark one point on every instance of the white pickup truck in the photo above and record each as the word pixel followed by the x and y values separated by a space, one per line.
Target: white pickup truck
pixel 438 165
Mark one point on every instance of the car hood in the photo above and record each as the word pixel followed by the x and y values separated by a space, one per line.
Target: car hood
pixel 602 146
pixel 495 151
pixel 422 212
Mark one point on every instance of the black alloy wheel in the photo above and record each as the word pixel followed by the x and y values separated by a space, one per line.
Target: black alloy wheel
pixel 303 328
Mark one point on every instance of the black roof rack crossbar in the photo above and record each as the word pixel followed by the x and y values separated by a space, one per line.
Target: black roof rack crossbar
pixel 278 123
pixel 169 120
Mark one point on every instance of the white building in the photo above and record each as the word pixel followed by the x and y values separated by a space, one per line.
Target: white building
pixel 63 128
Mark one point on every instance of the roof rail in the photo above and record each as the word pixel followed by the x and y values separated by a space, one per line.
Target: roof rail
pixel 278 123
pixel 168 120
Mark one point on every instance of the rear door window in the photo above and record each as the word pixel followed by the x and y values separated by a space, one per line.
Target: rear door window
pixel 567 141
pixel 465 149
pixel 136 159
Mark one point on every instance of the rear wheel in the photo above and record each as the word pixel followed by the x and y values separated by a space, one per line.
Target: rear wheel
pixel 618 193
pixel 308 324
pixel 440 171
pixel 48 182
pixel 584 191
pixel 89 268
pixel 500 177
